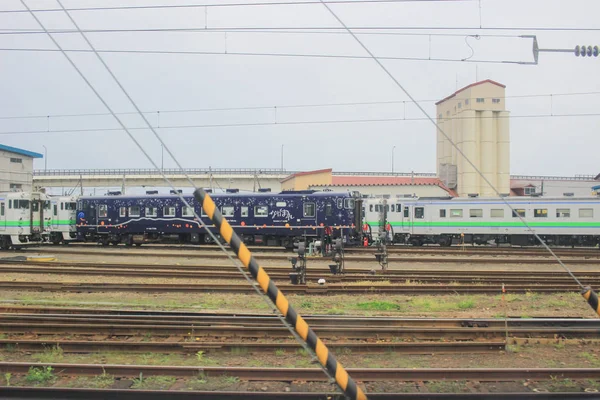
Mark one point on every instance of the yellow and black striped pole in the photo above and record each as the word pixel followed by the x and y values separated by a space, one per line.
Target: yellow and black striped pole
pixel 592 298
pixel 335 369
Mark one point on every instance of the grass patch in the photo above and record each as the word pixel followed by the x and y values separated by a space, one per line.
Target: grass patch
pixel 39 375
pixel 231 380
pixel 97 382
pixel 280 353
pixel 49 355
pixel 563 385
pixel 447 386
pixel 591 358
pixel 466 304
pixel 378 306
pixel 154 382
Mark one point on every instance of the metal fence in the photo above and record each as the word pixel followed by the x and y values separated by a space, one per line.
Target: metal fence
pixel 167 171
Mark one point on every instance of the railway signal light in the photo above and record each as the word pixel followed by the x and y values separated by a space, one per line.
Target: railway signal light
pixel 586 51
pixel 300 248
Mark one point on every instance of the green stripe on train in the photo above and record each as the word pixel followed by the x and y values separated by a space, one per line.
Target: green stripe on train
pixel 502 224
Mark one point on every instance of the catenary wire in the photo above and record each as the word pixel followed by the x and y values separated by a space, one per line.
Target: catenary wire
pixel 459 151
pixel 284 106
pixel 212 213
pixel 223 5
pixel 266 54
pixel 281 123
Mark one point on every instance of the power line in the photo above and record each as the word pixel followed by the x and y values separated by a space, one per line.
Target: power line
pixel 221 5
pixel 279 123
pixel 252 54
pixel 362 30
pixel 291 106
pixel 303 31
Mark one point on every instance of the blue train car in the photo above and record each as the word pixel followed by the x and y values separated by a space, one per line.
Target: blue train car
pixel 259 218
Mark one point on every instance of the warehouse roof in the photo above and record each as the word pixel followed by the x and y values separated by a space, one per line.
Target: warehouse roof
pixel 386 181
pixel 470 86
pixel 22 152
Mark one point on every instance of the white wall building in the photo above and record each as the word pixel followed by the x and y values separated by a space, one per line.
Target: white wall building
pixel 16 169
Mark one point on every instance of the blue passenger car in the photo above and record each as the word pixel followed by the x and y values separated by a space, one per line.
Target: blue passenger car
pixel 259 218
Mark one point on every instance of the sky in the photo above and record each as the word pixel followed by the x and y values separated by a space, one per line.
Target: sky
pixel 231 110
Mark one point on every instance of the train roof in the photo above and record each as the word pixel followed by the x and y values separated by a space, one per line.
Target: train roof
pixel 512 199
pixel 224 194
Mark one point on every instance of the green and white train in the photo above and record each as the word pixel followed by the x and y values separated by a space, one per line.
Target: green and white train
pixel 565 221
pixel 61 225
pixel 23 218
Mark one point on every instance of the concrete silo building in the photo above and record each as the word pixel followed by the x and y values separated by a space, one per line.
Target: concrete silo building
pixel 476 120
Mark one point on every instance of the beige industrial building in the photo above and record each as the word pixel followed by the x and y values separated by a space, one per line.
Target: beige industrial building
pixel 476 120
pixel 16 169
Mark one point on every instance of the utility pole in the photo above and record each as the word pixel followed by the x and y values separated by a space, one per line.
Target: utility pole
pixel 45 158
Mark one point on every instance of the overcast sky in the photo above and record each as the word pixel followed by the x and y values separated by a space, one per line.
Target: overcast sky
pixel 34 83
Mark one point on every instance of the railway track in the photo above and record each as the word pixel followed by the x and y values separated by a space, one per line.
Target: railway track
pixel 282 273
pixel 315 374
pixel 115 323
pixel 330 289
pixel 392 249
pixel 455 257
pixel 126 394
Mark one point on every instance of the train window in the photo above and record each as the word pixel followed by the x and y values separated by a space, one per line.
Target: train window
pixel 261 211
pixel 476 213
pixel 102 211
pixel 35 206
pixel 55 210
pixel 151 211
pixel 134 211
pixel 168 211
pixel 398 207
pixel 349 204
pixel 47 205
pixel 340 203
pixel 227 211
pixel 387 208
pixel 563 213
pixel 392 208
pixel 518 212
pixel 2 209
pixel 309 210
pixel 62 205
pixel 329 209
pixel 442 213
pixel 187 211
pixel 244 211
pixel 497 213
pixel 72 206
pixel 540 213
pixel 10 204
pixel 370 207
pixel 377 208
pixel 586 212
pixel 419 212
pixel 79 205
pixel 456 213
pixel 122 211
pixel 406 212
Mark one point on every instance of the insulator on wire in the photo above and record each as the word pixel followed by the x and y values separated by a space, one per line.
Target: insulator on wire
pixel 586 51
pixel 592 298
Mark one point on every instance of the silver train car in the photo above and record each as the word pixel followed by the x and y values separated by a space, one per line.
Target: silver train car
pixel 23 218
pixel 564 221
pixel 61 223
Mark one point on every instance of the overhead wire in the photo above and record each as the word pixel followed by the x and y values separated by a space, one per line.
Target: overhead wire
pixel 291 106
pixel 223 5
pixel 287 315
pixel 462 154
pixel 280 123
pixel 266 54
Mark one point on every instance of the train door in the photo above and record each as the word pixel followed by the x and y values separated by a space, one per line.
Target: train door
pixel 3 215
pixel 406 219
pixel 54 215
pixel 309 213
